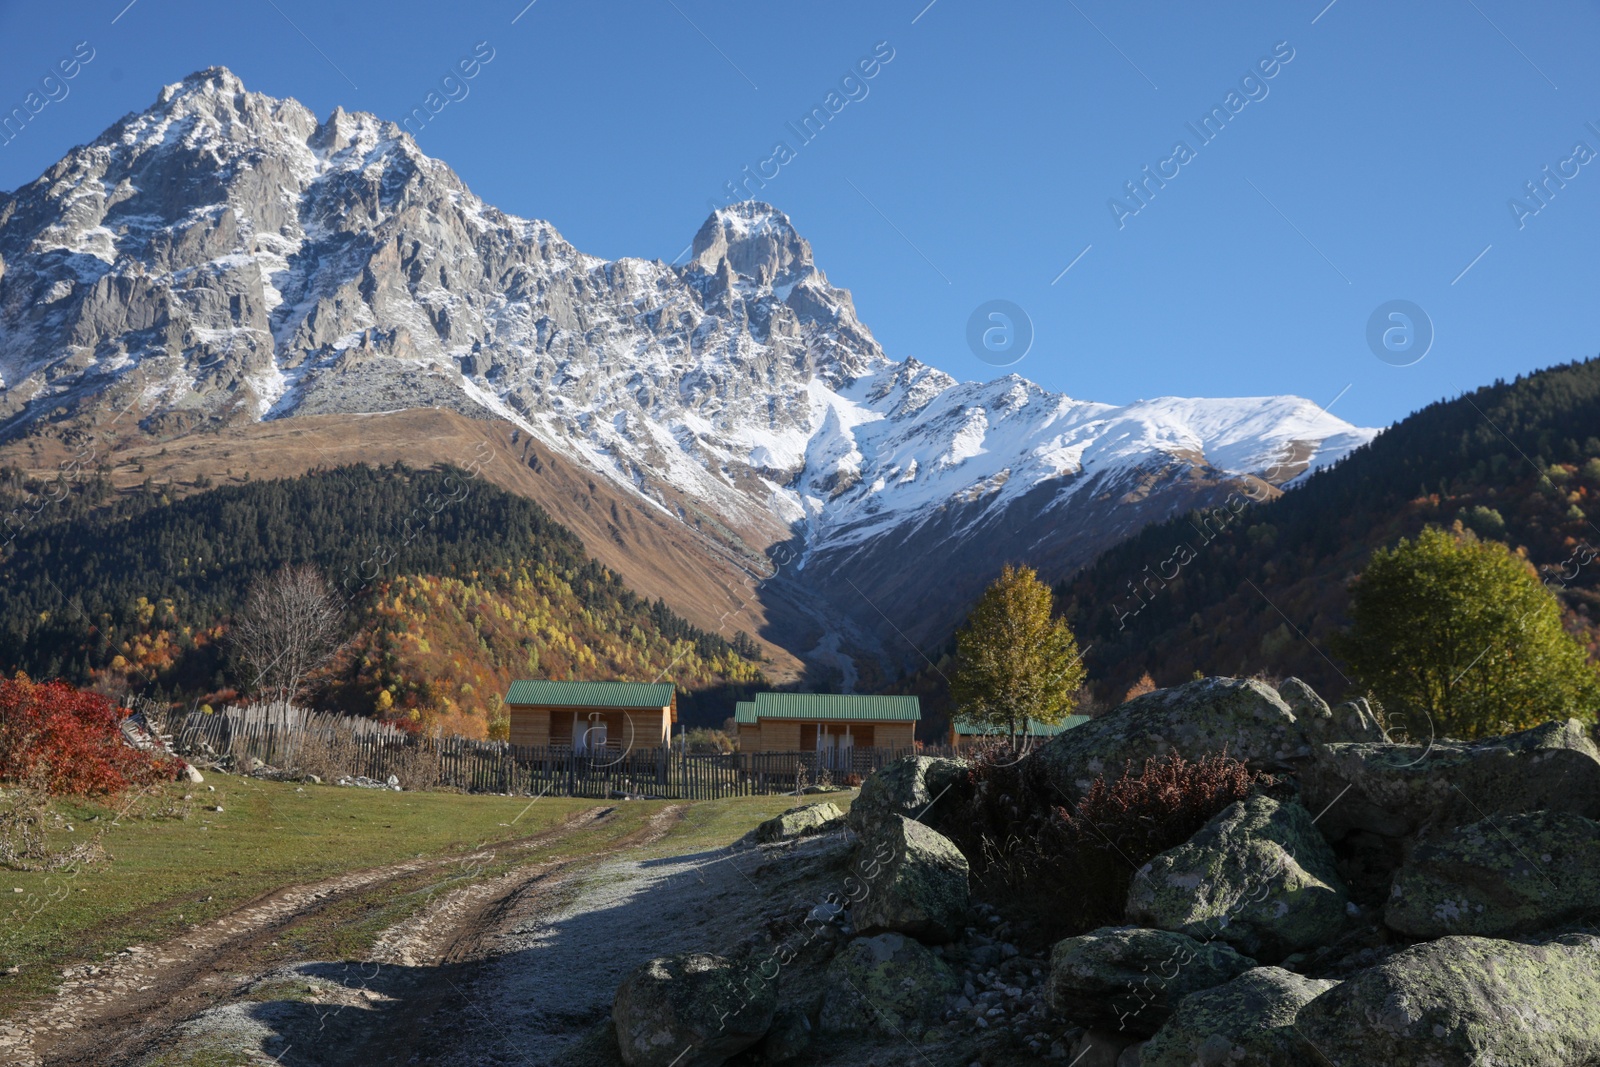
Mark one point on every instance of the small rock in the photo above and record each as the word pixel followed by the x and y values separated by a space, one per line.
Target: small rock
pixel 800 822
pixel 692 1010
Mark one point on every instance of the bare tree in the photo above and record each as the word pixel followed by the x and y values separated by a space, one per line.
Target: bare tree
pixel 289 627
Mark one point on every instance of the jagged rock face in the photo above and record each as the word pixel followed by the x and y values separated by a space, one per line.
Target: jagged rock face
pixel 224 255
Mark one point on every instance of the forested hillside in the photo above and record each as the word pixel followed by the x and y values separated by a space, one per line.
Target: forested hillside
pixel 452 587
pixel 1262 589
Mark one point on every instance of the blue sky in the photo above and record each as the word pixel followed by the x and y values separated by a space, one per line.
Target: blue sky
pixel 1376 164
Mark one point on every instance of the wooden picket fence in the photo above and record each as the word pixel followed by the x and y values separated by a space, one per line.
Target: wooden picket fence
pixel 333 746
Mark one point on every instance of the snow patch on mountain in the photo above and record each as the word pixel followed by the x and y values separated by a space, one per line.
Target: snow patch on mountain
pixel 230 256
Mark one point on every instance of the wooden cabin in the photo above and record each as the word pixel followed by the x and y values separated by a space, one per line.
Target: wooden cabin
pixel 592 716
pixel 967 734
pixel 748 730
pixel 825 722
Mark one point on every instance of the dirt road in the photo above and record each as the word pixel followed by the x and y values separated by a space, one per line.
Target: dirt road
pixel 197 999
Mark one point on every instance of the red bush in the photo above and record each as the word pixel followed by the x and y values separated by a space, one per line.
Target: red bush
pixel 1067 868
pixel 70 739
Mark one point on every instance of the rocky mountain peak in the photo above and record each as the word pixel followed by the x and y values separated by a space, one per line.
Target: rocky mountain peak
pixel 757 241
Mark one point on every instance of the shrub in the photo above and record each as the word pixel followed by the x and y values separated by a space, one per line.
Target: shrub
pixel 69 742
pixel 710 742
pixel 1067 868
pixel 1145 684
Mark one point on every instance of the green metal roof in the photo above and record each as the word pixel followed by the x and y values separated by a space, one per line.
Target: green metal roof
pixel 839 707
pixel 591 694
pixel 744 713
pixel 1035 728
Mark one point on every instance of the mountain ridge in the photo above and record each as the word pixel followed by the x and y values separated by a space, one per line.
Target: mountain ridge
pixel 224 257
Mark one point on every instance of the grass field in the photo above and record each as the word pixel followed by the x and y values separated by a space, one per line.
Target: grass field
pixel 174 863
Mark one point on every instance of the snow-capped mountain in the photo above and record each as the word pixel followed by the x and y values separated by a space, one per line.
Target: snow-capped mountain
pixel 225 257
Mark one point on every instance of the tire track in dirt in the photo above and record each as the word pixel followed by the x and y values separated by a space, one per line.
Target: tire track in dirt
pixel 112 1011
pixel 454 952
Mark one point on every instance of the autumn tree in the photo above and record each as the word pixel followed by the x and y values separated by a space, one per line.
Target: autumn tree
pixel 1015 659
pixel 1460 633
pixel 289 627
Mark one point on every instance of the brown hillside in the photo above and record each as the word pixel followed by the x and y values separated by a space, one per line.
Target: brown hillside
pixel 698 574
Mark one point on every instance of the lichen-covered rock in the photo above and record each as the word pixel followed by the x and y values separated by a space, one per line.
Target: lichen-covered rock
pixel 1351 721
pixel 889 984
pixel 924 788
pixel 1505 875
pixel 1127 979
pixel 1259 876
pixel 1354 720
pixel 1245 718
pixel 1398 790
pixel 690 1010
pixel 915 879
pixel 798 822
pixel 1461 1001
pixel 1249 1020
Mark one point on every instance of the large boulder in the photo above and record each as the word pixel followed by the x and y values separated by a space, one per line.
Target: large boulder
pixel 1245 718
pixel 1506 875
pixel 1249 1020
pixel 1398 790
pixel 799 822
pixel 887 984
pixel 1259 876
pixel 1351 721
pixel 690 1010
pixel 916 882
pixel 1128 979
pixel 925 788
pixel 1465 1001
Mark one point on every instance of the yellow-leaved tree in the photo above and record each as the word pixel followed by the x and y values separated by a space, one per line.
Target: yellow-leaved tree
pixel 1015 659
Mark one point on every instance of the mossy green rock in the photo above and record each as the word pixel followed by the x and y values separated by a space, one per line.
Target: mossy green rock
pixel 1259 876
pixel 1398 790
pixel 1249 1020
pixel 925 788
pixel 1506 875
pixel 915 880
pixel 1464 1001
pixel 690 1010
pixel 1350 721
pixel 1244 718
pixel 1127 979
pixel 798 822
pixel 887 984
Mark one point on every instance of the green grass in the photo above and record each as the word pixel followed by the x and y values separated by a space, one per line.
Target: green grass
pixel 168 873
pixel 174 864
